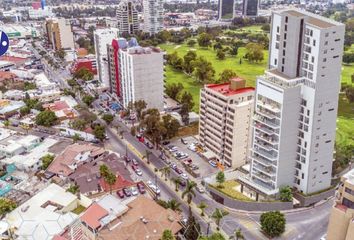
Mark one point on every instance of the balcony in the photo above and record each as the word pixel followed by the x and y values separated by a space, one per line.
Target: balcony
pixel 264 120
pixel 266 113
pixel 271 107
pixel 265 154
pixel 265 138
pixel 263 161
pixel 262 177
pixel 268 171
pixel 265 146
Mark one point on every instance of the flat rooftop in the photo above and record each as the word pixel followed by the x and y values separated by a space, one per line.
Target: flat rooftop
pixel 225 89
pixel 313 19
pixel 349 177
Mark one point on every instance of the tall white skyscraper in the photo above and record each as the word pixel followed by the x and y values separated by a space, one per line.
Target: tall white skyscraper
pixel 127 17
pixel 153 16
pixel 296 104
pixel 102 37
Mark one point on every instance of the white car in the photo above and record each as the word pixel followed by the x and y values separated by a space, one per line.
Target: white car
pixel 134 191
pixel 200 189
pixel 149 184
pixel 155 189
pixel 213 163
pixel 138 172
pixel 184 176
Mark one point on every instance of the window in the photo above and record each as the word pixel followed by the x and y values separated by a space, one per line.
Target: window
pixel 284 36
pixel 328 141
pixel 325 60
pixel 312 59
pixel 326 43
pixel 275 61
pixel 346 202
pixel 286 19
pixel 325 52
pixel 336 56
pixel 286 27
pixel 277 38
pixel 283 61
pixel 283 52
pixel 284 44
pixel 327 34
pixel 278 30
pixel 337 40
pixel 282 68
pixel 348 190
pixel 277 45
pixel 331 109
pixel 314 42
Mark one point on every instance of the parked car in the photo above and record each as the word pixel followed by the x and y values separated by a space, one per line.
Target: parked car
pixel 135 162
pixel 173 166
pixel 183 183
pixel 179 171
pixel 127 192
pixel 184 141
pixel 134 191
pixel 184 176
pixel 141 188
pixel 165 143
pixel 149 145
pixel 134 168
pixel 156 190
pixel 200 189
pixel 213 163
pixel 120 193
pixel 138 172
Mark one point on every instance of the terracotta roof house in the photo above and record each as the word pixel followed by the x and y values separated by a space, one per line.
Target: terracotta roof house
pixel 72 157
pixel 87 176
pixel 145 219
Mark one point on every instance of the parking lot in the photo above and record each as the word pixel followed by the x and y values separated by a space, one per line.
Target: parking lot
pixel 205 169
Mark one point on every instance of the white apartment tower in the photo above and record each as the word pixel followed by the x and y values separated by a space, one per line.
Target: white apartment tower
pixel 102 38
pixel 225 117
pixel 59 33
pixel 296 104
pixel 153 16
pixel 127 16
pixel 136 73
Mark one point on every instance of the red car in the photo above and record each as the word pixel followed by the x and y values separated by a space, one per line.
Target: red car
pixel 141 188
pixel 120 193
pixel 134 167
pixel 179 171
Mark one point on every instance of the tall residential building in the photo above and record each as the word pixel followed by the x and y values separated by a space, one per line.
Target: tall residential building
pixel 59 33
pixel 296 104
pixel 136 73
pixel 225 117
pixel 250 8
pixel 127 16
pixel 153 16
pixel 341 221
pixel 102 38
pixel 226 9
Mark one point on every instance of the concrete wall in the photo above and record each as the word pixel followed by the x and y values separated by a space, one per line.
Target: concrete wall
pixel 248 206
pixel 306 201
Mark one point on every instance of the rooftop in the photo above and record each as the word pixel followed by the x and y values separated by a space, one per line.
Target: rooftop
pixel 144 219
pixel 349 177
pixel 228 89
pixel 93 215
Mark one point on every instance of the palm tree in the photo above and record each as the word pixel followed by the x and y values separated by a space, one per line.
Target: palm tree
pixel 111 179
pixel 76 138
pixel 165 171
pixel 202 206
pixel 121 134
pixel 177 182
pixel 189 191
pixel 174 205
pixel 238 235
pixel 6 123
pixel 147 156
pixel 218 215
pixel 104 170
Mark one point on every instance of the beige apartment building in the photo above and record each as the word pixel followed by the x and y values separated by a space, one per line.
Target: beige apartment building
pixel 60 34
pixel 225 116
pixel 341 222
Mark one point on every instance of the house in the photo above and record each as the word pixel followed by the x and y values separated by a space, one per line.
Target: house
pixel 72 157
pixel 87 176
pixel 63 108
pixel 144 219
pixel 9 108
pixel 44 215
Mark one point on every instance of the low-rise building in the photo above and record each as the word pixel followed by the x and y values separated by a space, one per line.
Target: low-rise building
pixel 9 108
pixel 225 116
pixel 341 221
pixel 63 108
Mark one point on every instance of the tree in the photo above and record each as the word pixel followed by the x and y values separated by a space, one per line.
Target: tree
pixel 220 178
pixel 218 215
pixel 286 194
pixel 172 90
pixel 73 189
pixel 191 43
pixel 202 206
pixel 108 118
pixel 254 52
pixel 234 50
pixel 177 181
pixel 6 123
pixel 165 171
pixel 104 170
pixel 171 125
pixel 220 54
pixel 6 205
pixel 273 223
pixel 192 231
pixel 111 179
pixel 99 132
pixel 47 160
pixel 349 92
pixel 204 71
pixel 189 191
pixel 266 27
pixel 214 236
pixel 238 235
pixel 188 60
pixel 24 111
pixel 78 124
pixel 174 205
pixel 46 118
pixel 218 46
pixel 84 74
pixel 76 138
pixel 147 156
pixel 348 57
pixel 88 99
pixel 133 131
pixel 167 235
pixel 175 61
pixel 60 53
pixel 204 40
pixel 153 125
pixel 139 106
pixel 227 75
pixel 187 106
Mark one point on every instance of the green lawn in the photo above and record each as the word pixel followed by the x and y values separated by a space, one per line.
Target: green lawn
pixel 79 209
pixel 228 188
pixel 347 71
